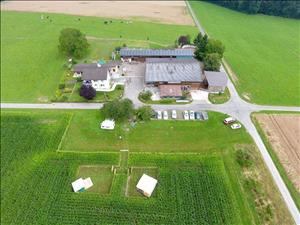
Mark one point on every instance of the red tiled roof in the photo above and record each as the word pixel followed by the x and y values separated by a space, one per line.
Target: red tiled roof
pixel 170 90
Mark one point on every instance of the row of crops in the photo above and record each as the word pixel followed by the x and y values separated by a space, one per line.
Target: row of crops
pixel 35 187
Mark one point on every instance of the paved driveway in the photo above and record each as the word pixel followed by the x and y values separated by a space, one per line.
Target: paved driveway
pixel 135 76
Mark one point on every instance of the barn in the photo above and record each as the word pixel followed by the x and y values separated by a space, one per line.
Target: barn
pixel 216 81
pixel 140 55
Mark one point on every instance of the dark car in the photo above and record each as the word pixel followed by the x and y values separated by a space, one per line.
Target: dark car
pixel 198 116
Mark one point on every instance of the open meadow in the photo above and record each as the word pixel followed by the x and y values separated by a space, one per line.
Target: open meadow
pixel 205 185
pixel 263 52
pixel 31 66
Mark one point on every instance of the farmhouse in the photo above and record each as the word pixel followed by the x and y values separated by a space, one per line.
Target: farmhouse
pixel 98 75
pixel 146 185
pixel 215 81
pixel 132 54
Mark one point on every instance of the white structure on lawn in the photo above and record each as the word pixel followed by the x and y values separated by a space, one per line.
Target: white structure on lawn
pixel 81 185
pixel 108 124
pixel 98 75
pixel 146 185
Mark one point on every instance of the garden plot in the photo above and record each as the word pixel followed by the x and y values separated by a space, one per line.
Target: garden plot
pixel 101 177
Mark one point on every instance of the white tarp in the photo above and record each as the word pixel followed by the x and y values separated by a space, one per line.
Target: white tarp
pixel 108 124
pixel 82 184
pixel 146 184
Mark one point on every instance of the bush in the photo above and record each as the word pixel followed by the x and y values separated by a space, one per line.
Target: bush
pixel 61 86
pixel 118 110
pixel 244 158
pixel 145 95
pixel 88 92
pixel 144 113
pixel 212 62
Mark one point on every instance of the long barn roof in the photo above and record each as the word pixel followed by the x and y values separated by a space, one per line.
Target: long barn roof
pixel 156 52
pixel 172 70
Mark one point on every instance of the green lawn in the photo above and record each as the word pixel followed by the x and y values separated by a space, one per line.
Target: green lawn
pixel 219 98
pixel 263 51
pixel 31 67
pixel 84 134
pixel 205 186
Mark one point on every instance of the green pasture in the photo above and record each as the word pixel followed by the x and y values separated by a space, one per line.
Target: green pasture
pixel 31 66
pixel 263 52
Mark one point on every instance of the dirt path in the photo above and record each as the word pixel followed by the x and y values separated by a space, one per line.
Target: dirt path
pixel 283 132
pixel 171 12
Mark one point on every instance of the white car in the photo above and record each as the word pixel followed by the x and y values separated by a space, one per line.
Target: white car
pixel 236 126
pixel 186 115
pixel 229 120
pixel 158 115
pixel 107 124
pixel 166 115
pixel 192 115
pixel 174 114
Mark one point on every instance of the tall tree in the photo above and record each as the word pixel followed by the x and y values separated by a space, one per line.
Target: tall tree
pixel 215 46
pixel 212 62
pixel 87 91
pixel 72 43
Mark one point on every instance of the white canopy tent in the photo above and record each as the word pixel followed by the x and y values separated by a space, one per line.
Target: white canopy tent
pixel 146 185
pixel 80 184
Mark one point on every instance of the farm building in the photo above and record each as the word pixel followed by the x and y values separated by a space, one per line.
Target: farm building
pixel 170 72
pixel 98 75
pixel 215 81
pixel 142 54
pixel 146 185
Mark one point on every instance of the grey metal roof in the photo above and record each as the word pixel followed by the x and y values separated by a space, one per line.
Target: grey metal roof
pixel 216 78
pixel 156 52
pixel 172 70
pixel 93 72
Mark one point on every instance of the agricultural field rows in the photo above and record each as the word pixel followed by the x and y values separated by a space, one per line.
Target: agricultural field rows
pixel 202 187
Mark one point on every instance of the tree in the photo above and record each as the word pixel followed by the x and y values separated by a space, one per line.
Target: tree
pixel 198 39
pixel 87 92
pixel 72 43
pixel 201 43
pixel 184 40
pixel 212 62
pixel 144 113
pixel 215 46
pixel 118 110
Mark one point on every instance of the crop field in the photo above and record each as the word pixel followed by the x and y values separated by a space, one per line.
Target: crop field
pixel 32 67
pixel 263 52
pixel 202 187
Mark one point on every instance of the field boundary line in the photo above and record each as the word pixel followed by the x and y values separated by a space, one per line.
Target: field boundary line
pixel 65 132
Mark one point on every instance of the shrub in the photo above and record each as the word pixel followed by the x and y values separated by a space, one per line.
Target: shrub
pixel 244 158
pixel 212 62
pixel 88 92
pixel 118 110
pixel 145 95
pixel 144 113
pixel 61 86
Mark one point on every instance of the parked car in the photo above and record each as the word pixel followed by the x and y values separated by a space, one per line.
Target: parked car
pixel 198 116
pixel 174 114
pixel 192 115
pixel 204 115
pixel 158 115
pixel 186 115
pixel 236 126
pixel 166 115
pixel 108 124
pixel 229 120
